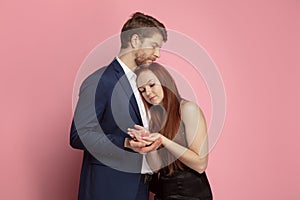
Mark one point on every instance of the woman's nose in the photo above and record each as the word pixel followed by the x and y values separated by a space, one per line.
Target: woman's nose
pixel 148 91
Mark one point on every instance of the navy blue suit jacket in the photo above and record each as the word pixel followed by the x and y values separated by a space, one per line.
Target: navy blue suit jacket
pixel 105 109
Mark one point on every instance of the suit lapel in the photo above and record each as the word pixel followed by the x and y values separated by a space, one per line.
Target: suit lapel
pixel 125 85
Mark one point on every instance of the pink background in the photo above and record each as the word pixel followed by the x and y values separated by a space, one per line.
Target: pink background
pixel 255 45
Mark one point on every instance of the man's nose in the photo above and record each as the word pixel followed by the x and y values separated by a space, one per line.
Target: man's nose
pixel 157 52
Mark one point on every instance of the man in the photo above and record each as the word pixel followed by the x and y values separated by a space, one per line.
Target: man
pixel 114 166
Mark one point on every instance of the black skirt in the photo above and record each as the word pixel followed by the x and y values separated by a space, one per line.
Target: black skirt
pixel 182 185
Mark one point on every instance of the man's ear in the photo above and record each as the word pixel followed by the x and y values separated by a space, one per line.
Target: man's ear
pixel 135 41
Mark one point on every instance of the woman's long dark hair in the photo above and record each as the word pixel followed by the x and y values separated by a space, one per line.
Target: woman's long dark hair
pixel 165 117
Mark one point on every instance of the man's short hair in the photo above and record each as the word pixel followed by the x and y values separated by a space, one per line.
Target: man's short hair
pixel 142 25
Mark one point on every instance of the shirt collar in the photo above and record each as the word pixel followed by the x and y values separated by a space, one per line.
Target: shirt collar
pixel 129 73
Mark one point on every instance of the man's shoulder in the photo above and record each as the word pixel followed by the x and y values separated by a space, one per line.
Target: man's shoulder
pixel 103 72
pixel 95 77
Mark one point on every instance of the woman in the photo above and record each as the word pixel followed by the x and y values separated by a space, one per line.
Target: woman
pixel 182 127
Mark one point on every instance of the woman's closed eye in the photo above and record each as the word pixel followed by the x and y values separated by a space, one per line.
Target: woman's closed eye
pixel 141 89
pixel 152 84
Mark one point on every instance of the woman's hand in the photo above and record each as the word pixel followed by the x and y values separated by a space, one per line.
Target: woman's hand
pixel 138 133
pixel 138 144
pixel 152 137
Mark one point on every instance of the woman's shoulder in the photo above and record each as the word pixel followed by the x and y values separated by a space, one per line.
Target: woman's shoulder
pixel 189 109
pixel 186 106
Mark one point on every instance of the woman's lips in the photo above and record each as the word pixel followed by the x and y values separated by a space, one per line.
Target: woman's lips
pixel 151 98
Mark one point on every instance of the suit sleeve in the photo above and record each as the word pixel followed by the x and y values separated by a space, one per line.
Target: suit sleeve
pixel 85 129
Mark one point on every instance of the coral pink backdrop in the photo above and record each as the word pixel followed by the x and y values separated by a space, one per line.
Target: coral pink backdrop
pixel 255 45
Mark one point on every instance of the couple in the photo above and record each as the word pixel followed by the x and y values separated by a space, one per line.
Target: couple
pixel 117 106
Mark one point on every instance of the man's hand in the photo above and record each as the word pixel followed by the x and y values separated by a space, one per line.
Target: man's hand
pixel 141 147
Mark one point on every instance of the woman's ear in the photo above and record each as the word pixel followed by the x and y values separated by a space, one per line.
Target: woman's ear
pixel 135 41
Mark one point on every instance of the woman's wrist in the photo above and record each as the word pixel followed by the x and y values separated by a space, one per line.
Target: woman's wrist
pixel 165 141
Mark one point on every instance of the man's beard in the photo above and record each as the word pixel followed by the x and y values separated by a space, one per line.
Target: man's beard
pixel 140 62
pixel 141 59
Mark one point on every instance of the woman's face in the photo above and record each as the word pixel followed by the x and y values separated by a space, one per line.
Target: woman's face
pixel 150 87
